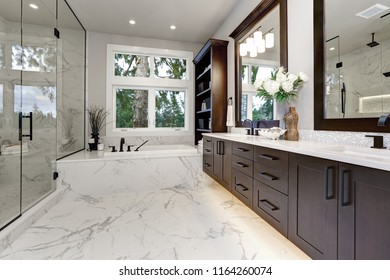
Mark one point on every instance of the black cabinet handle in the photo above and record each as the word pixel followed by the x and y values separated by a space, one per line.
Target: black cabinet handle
pixel 242 149
pixel 267 176
pixel 207 141
pixel 218 143
pixel 222 148
pixel 207 164
pixel 267 157
pixel 242 187
pixel 269 204
pixel 21 117
pixel 327 195
pixel 207 150
pixel 240 164
pixel 344 195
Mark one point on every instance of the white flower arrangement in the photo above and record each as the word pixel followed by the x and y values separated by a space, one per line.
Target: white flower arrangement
pixel 281 86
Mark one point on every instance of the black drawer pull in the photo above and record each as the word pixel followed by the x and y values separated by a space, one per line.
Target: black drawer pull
pixel 207 164
pixel 269 204
pixel 207 141
pixel 242 150
pixel 207 150
pixel 267 176
pixel 267 157
pixel 242 187
pixel 240 164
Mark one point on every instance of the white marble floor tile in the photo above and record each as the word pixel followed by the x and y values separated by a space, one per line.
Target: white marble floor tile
pixel 180 222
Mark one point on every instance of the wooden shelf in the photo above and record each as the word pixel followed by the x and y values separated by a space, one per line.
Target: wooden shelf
pixel 204 111
pixel 204 72
pixel 203 92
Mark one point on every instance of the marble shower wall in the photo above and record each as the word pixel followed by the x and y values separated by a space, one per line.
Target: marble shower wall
pixel 70 88
pixel 362 73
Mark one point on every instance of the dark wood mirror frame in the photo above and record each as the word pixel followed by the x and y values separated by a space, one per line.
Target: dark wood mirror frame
pixel 242 30
pixel 320 123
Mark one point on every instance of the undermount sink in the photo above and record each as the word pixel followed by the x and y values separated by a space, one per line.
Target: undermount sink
pixel 360 152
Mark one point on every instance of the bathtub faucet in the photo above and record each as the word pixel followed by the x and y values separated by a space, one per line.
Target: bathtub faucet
pixel 121 145
pixel 136 150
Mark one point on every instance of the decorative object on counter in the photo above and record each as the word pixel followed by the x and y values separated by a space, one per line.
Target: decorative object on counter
pixel 100 147
pixel 272 133
pixel 283 87
pixel 97 120
pixel 291 122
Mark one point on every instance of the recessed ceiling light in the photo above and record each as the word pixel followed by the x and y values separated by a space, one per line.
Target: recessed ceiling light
pixel 34 6
pixel 132 22
pixel 173 27
pixel 332 49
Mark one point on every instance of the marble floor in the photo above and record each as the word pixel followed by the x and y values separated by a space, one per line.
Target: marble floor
pixel 203 223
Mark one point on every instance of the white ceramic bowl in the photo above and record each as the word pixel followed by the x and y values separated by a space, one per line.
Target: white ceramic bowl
pixel 272 133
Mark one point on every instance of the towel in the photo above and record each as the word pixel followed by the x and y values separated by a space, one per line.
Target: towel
pixel 229 117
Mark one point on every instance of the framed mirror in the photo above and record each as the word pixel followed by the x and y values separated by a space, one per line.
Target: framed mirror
pixel 351 64
pixel 257 55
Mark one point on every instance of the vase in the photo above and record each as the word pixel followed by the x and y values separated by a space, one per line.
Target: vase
pixel 93 146
pixel 291 121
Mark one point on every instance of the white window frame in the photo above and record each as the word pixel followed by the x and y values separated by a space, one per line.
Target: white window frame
pixel 151 84
pixel 250 89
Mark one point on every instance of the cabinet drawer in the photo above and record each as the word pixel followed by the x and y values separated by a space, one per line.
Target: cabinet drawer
pixel 243 150
pixel 272 177
pixel 207 142
pixel 208 163
pixel 242 187
pixel 243 165
pixel 272 158
pixel 271 205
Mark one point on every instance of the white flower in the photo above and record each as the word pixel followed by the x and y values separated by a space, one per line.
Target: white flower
pixel 287 86
pixel 271 86
pixel 259 82
pixel 292 78
pixel 280 76
pixel 303 76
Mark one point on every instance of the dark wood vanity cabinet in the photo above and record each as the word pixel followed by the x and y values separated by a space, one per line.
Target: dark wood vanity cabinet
pixel 364 213
pixel 222 162
pixel 271 187
pixel 313 205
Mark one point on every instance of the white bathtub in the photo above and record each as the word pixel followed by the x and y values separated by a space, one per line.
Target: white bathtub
pixel 154 151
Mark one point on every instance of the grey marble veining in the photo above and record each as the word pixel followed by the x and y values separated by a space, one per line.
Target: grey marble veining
pixel 177 213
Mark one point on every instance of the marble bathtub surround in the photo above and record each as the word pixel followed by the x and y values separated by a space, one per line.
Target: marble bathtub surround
pixel 152 140
pixel 145 209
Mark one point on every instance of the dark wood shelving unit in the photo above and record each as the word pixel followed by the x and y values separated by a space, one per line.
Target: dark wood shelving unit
pixel 211 88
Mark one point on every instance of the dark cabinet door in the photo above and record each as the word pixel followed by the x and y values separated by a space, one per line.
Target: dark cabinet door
pixel 364 213
pixel 313 205
pixel 222 161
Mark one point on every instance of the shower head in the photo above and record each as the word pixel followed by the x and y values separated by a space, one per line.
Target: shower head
pixel 373 43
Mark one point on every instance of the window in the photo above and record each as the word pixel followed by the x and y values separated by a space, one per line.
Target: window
pixel 149 91
pixel 253 107
pixel 2 56
pixel 1 99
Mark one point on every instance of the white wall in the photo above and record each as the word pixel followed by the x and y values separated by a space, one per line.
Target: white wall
pixel 300 51
pixel 97 46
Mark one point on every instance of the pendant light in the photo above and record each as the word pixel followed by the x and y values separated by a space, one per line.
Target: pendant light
pixel 258 35
pixel 269 40
pixel 243 49
pixel 261 46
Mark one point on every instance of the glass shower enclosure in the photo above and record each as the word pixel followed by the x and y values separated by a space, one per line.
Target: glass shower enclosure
pixel 41 99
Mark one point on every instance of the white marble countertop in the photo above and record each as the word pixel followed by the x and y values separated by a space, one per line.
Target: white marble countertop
pixel 374 158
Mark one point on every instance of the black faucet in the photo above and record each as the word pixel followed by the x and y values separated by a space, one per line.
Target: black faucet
pixel 121 144
pixel 383 119
pixel 136 150
pixel 249 131
pixel 378 141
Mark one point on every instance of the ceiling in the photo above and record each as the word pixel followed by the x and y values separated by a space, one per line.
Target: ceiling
pixel 354 32
pixel 195 20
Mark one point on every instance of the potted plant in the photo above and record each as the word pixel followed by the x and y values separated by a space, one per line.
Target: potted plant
pixel 97 120
pixel 283 87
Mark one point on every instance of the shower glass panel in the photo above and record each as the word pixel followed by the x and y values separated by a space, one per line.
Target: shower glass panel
pixel 38 100
pixel 10 148
pixel 70 82
pixel 334 101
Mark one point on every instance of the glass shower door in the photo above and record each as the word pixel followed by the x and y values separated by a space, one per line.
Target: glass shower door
pixel 38 100
pixel 10 148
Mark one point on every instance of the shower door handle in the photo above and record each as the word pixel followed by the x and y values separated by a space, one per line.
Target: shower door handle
pixel 21 117
pixel 343 99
